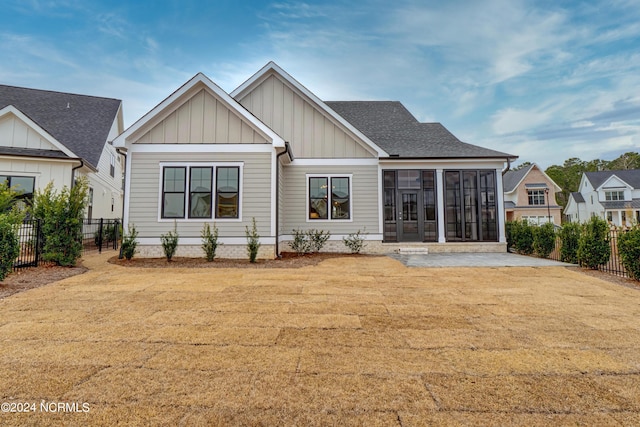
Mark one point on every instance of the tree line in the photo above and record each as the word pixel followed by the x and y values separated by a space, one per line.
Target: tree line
pixel 568 175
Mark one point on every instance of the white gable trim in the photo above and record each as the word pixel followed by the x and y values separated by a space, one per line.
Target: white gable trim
pixel 555 186
pixel 199 78
pixel 604 184
pixel 10 109
pixel 264 72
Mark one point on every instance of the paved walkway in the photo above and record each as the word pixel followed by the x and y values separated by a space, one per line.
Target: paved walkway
pixel 474 260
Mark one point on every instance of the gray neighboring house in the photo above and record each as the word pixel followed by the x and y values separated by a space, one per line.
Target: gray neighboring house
pixel 48 136
pixel 611 195
pixel 273 151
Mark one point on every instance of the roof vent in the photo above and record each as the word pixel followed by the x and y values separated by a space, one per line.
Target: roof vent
pixel 67 105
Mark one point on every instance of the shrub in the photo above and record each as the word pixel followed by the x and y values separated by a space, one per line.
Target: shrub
pixel 522 233
pixel 544 239
pixel 209 241
pixel 355 241
pixel 129 243
pixel 253 241
pixel 61 215
pixel 170 242
pixel 593 245
pixel 508 229
pixel 300 244
pixel 318 238
pixel 629 250
pixel 9 245
pixel 569 236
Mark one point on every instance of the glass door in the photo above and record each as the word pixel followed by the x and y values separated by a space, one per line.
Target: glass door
pixel 408 221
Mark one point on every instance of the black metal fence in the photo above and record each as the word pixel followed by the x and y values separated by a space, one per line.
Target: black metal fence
pixel 613 266
pixel 97 235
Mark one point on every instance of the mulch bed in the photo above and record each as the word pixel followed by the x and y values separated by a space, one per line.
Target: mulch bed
pixel 34 277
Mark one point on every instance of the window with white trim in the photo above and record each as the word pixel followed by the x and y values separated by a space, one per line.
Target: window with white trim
pixel 329 197
pixel 536 197
pixel 112 165
pixel 189 191
pixel 613 195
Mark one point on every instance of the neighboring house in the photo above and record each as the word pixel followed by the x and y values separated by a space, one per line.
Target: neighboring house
pixel 530 194
pixel 53 136
pixel 273 151
pixel 611 195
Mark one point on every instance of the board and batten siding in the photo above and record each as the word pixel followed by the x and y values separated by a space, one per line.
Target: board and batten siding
pixel 44 171
pixel 364 199
pixel 15 133
pixel 202 119
pixel 311 132
pixel 255 194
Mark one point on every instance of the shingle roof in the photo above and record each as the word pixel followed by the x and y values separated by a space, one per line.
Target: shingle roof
pixel 32 152
pixel 79 122
pixel 622 204
pixel 578 197
pixel 630 176
pixel 512 177
pixel 392 127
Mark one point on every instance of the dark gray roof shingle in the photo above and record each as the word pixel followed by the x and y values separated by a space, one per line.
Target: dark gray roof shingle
pixel 578 197
pixel 32 152
pixel 630 176
pixel 512 177
pixel 79 122
pixel 392 127
pixel 622 204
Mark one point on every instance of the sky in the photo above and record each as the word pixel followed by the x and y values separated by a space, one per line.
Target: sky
pixel 543 80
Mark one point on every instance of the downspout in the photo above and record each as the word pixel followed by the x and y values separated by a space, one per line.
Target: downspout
pixel 73 172
pixel 508 167
pixel 287 150
pixel 124 189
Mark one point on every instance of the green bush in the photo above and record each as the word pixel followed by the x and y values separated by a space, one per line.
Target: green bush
pixel 593 245
pixel 209 241
pixel 522 235
pixel 508 229
pixel 61 215
pixel 355 241
pixel 629 251
pixel 129 242
pixel 170 242
pixel 544 239
pixel 253 241
pixel 9 245
pixel 318 238
pixel 569 236
pixel 300 244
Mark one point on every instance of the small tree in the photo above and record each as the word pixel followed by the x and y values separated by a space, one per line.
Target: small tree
pixel 209 241
pixel 544 239
pixel 593 245
pixel 61 215
pixel 300 244
pixel 318 238
pixel 170 242
pixel 253 241
pixel 569 236
pixel 629 250
pixel 355 241
pixel 129 243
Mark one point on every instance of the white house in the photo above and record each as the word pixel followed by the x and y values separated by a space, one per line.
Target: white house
pixel 53 136
pixel 273 151
pixel 611 195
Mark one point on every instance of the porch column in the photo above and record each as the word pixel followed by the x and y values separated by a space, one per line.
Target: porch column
pixel 502 238
pixel 440 195
pixel 619 218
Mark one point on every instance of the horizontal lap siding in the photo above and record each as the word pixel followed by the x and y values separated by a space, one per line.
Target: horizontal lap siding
pixel 145 187
pixel 364 199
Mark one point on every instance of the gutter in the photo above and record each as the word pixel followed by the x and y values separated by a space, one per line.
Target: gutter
pixel 73 172
pixel 124 189
pixel 508 166
pixel 287 150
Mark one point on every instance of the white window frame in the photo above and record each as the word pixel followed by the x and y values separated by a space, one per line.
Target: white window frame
pixel 329 176
pixel 535 194
pixel 188 166
pixel 608 195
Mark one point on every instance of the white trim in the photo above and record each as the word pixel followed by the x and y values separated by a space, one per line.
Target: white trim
pixel 127 193
pixel 602 186
pixel 442 226
pixel 258 77
pixel 329 176
pixel 336 237
pixel 39 130
pixel 274 186
pixel 502 237
pixel 214 166
pixel 200 78
pixel 335 162
pixel 457 164
pixel 200 148
pixel 198 241
pixel 555 186
pixel 380 201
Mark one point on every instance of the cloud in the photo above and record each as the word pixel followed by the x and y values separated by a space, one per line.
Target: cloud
pixel 511 120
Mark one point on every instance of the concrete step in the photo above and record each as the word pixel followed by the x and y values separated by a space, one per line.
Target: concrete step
pixel 408 251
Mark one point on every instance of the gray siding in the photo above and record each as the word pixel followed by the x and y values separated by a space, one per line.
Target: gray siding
pixel 364 199
pixel 311 132
pixel 145 187
pixel 202 119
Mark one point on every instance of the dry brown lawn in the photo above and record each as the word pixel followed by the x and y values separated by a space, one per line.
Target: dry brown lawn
pixel 350 341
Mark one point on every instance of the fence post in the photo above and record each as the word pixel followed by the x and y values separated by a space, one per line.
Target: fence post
pixel 100 235
pixel 38 240
pixel 116 233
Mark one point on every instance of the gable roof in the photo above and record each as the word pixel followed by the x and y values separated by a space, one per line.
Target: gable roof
pixel 198 79
pixel 578 197
pixel 630 176
pixel 512 178
pixel 272 67
pixel 391 126
pixel 79 122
